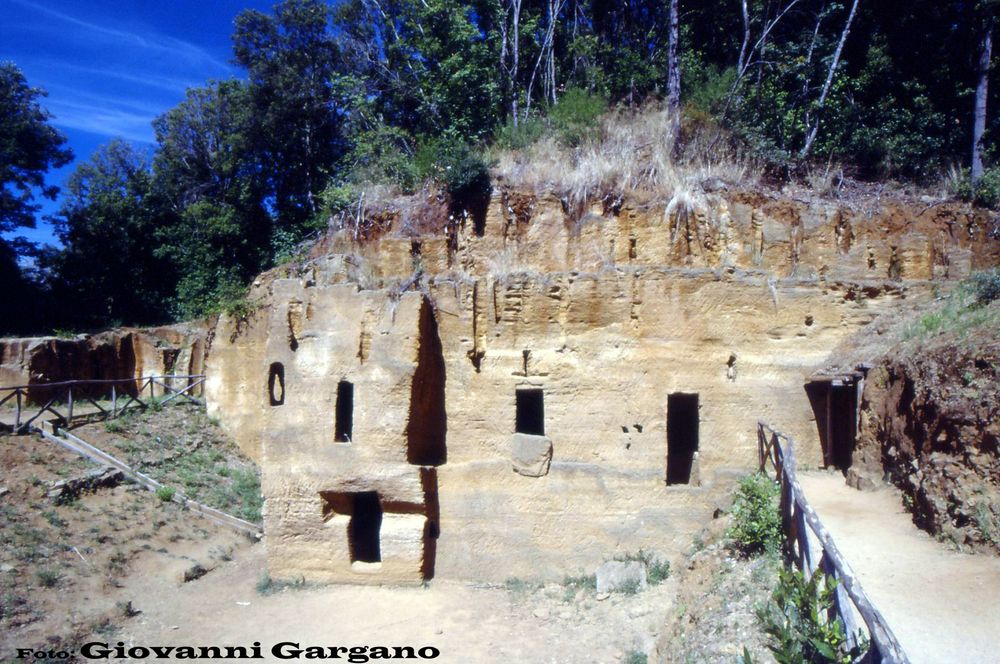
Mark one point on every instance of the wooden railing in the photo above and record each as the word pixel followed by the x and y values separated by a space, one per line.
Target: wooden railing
pixel 119 396
pixel 805 535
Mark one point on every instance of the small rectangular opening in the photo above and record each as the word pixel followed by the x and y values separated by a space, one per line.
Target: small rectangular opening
pixel 530 416
pixel 344 429
pixel 276 383
pixel 682 436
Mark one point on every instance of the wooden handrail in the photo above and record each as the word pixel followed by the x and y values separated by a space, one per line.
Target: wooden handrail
pixel 102 381
pixel 134 395
pixel 800 524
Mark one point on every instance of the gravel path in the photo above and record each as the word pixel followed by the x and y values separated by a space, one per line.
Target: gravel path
pixel 944 606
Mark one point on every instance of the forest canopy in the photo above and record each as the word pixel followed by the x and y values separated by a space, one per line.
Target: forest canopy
pixel 338 96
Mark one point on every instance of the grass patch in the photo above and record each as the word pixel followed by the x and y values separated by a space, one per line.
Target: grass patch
pixel 182 448
pixel 965 309
pixel 268 586
pixel 166 493
pixel 987 523
pixel 657 570
pixel 47 578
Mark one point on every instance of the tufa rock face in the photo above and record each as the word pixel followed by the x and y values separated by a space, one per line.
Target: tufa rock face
pixel 121 353
pixel 384 387
pixel 530 455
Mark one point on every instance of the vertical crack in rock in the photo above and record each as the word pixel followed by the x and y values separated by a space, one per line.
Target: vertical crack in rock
pixel 432 526
pixel 294 324
pixel 478 351
pixel 756 237
pixel 795 243
pixel 895 271
pixel 427 428
pixel 843 233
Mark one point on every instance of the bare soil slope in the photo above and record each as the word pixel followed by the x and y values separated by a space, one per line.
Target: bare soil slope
pixel 71 562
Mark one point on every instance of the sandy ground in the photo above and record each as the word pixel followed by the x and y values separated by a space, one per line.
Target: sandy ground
pixel 467 623
pixel 943 606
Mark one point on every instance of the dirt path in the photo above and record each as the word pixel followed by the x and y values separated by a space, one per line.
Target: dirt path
pixel 466 623
pixel 943 606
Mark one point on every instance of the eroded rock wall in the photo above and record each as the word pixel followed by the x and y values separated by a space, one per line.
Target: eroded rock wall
pixel 930 423
pixel 536 391
pixel 116 354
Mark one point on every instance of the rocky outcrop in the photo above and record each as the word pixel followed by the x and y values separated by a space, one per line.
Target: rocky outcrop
pixel 930 423
pixel 120 353
pixel 616 359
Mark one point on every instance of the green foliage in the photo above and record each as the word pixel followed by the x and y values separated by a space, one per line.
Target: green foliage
pixel 657 570
pixel 986 191
pixel 451 161
pixel 29 146
pixel 986 517
pixel 635 657
pixel 166 493
pixel 576 116
pixel 582 581
pixel 338 96
pixel 964 310
pixel 247 499
pixel 520 586
pixel 109 268
pixel 796 620
pixel 521 136
pixel 706 85
pixel 756 522
pixel 985 287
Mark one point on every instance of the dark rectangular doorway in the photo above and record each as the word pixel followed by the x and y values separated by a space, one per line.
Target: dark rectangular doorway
pixel 530 417
pixel 682 436
pixel 363 530
pixel 834 403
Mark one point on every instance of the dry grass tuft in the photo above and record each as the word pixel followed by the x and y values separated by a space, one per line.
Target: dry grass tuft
pixel 634 153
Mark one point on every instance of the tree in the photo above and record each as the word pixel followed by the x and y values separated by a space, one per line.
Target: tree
pixel 29 147
pixel 673 63
pixel 291 58
pixel 218 233
pixel 985 43
pixel 108 271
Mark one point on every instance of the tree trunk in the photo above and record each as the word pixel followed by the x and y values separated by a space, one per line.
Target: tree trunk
pixel 673 63
pixel 982 89
pixel 810 139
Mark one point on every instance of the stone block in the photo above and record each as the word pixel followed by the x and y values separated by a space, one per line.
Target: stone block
pixel 530 455
pixel 616 575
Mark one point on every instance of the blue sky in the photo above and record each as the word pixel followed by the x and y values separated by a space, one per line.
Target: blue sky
pixel 111 67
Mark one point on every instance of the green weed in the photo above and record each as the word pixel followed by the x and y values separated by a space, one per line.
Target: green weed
pixel 756 524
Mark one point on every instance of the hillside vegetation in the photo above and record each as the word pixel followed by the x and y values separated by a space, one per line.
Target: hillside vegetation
pixel 347 103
